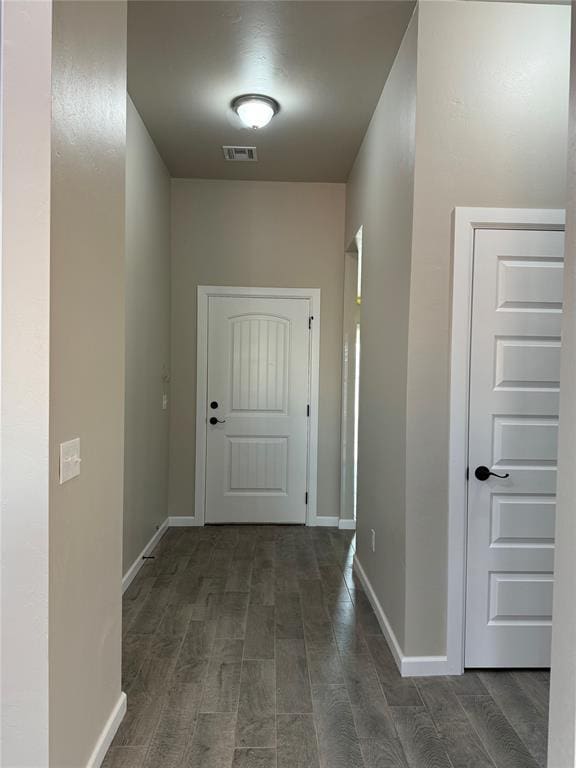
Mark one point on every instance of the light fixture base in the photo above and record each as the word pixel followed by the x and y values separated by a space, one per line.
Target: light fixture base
pixel 255 110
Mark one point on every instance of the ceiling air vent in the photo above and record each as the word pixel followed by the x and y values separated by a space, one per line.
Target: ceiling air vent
pixel 240 154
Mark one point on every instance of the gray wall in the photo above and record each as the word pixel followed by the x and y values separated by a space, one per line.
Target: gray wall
pixel 491 125
pixel 562 732
pixel 379 198
pixel 491 129
pixel 242 233
pixel 147 338
pixel 86 371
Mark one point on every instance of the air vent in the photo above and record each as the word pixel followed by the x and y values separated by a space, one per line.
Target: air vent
pixel 240 154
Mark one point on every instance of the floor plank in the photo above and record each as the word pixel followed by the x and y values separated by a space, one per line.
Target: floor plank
pixel 292 677
pixel 176 723
pixel 420 741
pixel 399 691
pixel 296 741
pixel 124 757
pixel 369 707
pixel 232 616
pixel 212 745
pixel 259 643
pixel 383 753
pixel 440 699
pixel 222 684
pixel 525 717
pixel 289 623
pixel 338 743
pixel 500 739
pixel 463 746
pixel 256 724
pixel 254 758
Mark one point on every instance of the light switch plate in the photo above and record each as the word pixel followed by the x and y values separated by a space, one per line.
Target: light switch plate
pixel 69 460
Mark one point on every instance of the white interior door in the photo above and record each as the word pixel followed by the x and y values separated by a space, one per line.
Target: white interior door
pixel 514 394
pixel 258 384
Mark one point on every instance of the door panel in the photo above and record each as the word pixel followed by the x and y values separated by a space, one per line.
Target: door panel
pixel 258 374
pixel 513 430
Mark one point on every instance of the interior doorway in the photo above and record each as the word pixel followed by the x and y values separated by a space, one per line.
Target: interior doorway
pixel 351 345
pixel 507 305
pixel 257 405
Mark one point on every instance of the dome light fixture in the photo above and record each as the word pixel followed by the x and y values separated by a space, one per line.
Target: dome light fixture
pixel 255 110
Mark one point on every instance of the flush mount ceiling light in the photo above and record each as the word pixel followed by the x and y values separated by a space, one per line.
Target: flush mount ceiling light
pixel 255 110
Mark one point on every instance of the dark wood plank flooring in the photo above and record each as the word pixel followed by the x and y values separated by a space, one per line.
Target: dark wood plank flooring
pixel 256 647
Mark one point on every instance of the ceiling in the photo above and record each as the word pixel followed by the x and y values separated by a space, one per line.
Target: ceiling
pixel 325 62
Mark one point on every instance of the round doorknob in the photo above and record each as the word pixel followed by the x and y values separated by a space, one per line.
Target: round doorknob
pixel 483 473
pixel 214 421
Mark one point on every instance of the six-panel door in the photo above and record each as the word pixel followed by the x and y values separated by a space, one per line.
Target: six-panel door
pixel 257 389
pixel 513 430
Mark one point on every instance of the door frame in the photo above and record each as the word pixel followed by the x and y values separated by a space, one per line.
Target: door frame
pixel 347 431
pixel 205 292
pixel 465 222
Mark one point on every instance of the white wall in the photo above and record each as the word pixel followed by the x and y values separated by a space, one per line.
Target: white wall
pixel 379 198
pixel 242 233
pixel 562 731
pixel 25 306
pixel 147 338
pixel 86 371
pixel 492 116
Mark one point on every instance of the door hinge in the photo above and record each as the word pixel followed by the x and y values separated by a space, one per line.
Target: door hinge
pixel 306 498
pixel 308 411
pixel 467 473
pixel 310 321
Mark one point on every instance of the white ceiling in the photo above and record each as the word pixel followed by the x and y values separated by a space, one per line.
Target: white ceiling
pixel 325 62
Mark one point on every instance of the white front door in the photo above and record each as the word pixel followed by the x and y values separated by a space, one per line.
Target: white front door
pixel 258 384
pixel 513 429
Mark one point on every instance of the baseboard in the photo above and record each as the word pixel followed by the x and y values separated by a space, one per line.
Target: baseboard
pixel 183 522
pixel 130 574
pixel 108 733
pixel 425 666
pixel 325 522
pixel 409 666
pixel 347 525
pixel 319 522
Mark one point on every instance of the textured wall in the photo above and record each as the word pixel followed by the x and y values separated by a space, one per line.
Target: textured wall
pixel 242 233
pixel 147 338
pixel 86 371
pixel 379 198
pixel 491 130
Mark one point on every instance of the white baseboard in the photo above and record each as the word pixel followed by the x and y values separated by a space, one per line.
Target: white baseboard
pixel 409 666
pixel 183 522
pixel 425 666
pixel 130 574
pixel 325 522
pixel 108 733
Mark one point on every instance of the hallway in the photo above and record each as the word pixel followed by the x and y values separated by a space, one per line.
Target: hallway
pixel 255 647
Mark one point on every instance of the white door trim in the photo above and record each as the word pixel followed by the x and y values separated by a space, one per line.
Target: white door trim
pixel 465 222
pixel 204 293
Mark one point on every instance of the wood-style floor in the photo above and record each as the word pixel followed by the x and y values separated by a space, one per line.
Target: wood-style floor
pixel 255 647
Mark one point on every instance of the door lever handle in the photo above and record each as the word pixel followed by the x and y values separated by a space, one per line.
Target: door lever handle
pixel 483 473
pixel 214 421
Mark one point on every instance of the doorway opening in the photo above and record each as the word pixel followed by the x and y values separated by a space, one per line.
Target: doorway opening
pixel 351 345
